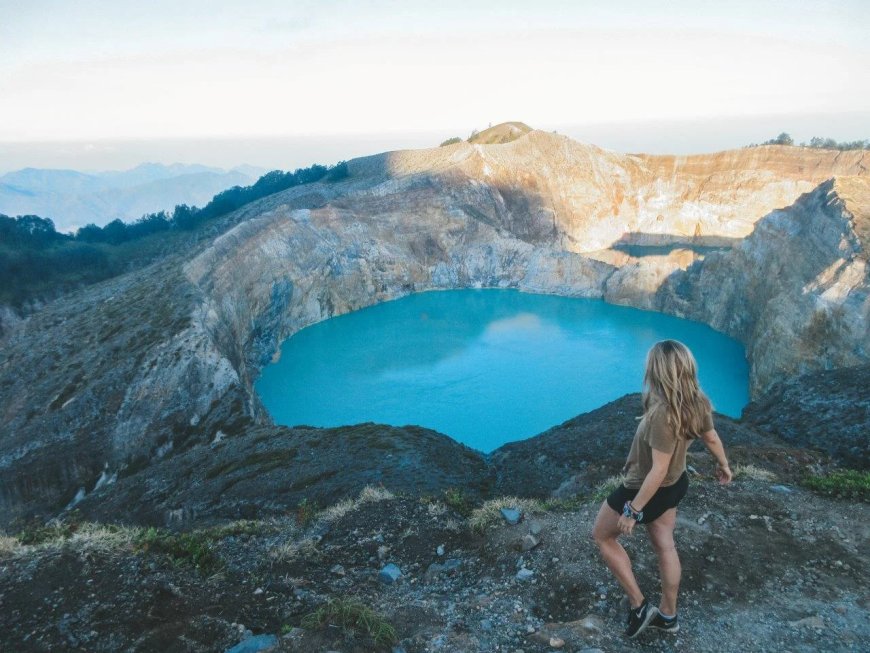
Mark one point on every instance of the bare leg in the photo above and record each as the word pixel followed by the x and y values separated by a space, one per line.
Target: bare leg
pixel 661 533
pixel 604 532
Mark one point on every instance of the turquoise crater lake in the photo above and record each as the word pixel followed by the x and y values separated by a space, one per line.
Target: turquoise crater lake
pixel 484 366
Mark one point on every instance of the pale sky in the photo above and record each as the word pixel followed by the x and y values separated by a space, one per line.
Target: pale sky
pixel 122 69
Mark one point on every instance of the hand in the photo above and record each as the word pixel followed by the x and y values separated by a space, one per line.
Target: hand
pixel 723 474
pixel 625 524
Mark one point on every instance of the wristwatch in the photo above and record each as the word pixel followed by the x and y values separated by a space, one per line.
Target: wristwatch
pixel 631 513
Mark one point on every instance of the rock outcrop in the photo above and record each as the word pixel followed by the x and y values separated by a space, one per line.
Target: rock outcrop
pixel 117 379
pixel 827 411
pixel 796 291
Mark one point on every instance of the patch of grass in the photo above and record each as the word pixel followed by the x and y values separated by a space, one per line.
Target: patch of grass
pixel 456 499
pixel 754 473
pixel 597 495
pixel 844 484
pixel 294 549
pixel 306 510
pixel 606 487
pixel 9 545
pixel 369 494
pixel 91 535
pixel 353 615
pixel 79 534
pixel 193 548
pixel 36 535
pixel 566 504
pixel 489 513
pixel 36 532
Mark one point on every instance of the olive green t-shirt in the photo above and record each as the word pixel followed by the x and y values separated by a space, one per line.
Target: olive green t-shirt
pixel 654 432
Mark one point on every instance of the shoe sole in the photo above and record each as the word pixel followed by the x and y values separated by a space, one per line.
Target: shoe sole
pixel 666 630
pixel 652 612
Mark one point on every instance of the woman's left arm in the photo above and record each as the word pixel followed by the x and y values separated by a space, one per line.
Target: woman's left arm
pixel 651 483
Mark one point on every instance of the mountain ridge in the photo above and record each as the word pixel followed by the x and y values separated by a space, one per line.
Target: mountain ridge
pixel 74 198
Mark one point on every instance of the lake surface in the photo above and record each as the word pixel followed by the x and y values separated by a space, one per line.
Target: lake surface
pixel 484 366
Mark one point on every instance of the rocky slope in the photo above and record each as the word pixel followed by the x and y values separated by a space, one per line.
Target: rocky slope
pixel 828 411
pixel 125 384
pixel 767 564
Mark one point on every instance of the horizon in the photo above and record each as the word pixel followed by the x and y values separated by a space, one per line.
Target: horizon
pixel 337 80
pixel 666 137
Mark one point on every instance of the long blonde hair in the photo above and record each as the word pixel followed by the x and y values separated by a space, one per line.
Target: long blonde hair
pixel 671 377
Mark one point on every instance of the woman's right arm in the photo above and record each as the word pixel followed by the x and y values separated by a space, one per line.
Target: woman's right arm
pixel 714 444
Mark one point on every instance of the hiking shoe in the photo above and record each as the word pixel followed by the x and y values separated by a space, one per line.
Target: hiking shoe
pixel 639 618
pixel 667 625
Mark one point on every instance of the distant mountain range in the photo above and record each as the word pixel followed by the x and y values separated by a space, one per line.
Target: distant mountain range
pixel 72 199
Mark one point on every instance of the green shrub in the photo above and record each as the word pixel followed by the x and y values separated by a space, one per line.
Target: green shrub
pixel 306 510
pixel 37 532
pixel 193 548
pixel 845 484
pixel 353 615
pixel 455 498
pixel 42 534
pixel 451 141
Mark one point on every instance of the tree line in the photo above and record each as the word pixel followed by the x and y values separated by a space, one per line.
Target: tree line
pixel 817 142
pixel 186 217
pixel 38 263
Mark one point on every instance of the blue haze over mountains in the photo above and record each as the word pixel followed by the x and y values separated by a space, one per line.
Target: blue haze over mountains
pixel 72 199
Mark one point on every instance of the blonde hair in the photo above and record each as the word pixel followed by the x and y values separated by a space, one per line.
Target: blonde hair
pixel 671 378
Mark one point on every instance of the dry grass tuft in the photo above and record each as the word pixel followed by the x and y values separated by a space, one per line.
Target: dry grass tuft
pixel 369 494
pixel 754 473
pixel 9 545
pixel 489 513
pixel 350 613
pixel 607 486
pixel 304 548
pixel 104 537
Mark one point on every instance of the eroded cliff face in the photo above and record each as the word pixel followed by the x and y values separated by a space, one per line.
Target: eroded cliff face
pixel 113 380
pixel 594 198
pixel 795 291
pixel 753 242
pixel 275 274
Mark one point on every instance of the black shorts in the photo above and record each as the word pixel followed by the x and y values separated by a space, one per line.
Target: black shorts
pixel 665 498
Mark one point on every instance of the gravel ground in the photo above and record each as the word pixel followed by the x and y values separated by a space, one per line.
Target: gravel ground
pixel 767 566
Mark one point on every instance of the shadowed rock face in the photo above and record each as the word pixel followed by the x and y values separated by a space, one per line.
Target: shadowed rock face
pixel 124 376
pixel 583 451
pixel 828 411
pixel 265 471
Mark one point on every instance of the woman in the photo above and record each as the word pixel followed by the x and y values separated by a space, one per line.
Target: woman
pixel 675 413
